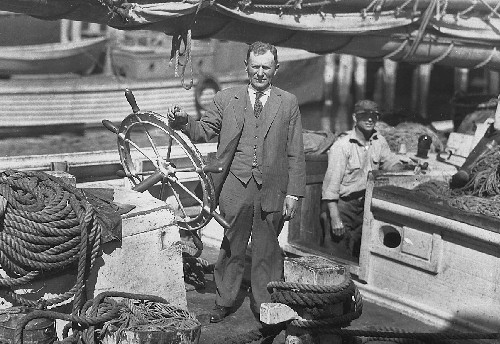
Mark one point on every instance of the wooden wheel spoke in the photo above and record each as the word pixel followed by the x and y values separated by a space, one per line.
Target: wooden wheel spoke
pixel 176 195
pixel 139 149
pixel 189 192
pixel 150 139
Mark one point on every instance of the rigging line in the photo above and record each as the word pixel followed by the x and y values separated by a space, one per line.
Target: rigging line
pixel 421 30
pixel 443 55
pixel 310 4
pixel 488 59
pixel 467 10
pixel 372 4
pixel 493 10
pixel 398 50
pixel 400 8
pixel 379 6
pixel 445 7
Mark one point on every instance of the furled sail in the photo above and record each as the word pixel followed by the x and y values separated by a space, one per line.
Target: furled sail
pixel 459 33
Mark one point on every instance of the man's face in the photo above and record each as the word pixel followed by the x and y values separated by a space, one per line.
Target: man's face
pixel 366 120
pixel 261 70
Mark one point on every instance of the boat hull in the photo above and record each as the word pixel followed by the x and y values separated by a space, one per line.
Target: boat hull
pixel 53 58
pixel 31 102
pixel 443 268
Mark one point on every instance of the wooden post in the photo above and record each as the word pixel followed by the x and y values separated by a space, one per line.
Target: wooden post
pixel 493 82
pixel 390 73
pixel 496 123
pixel 76 31
pixel 359 78
pixel 94 29
pixel 329 78
pixel 378 92
pixel 424 82
pixel 415 92
pixel 461 81
pixel 344 81
pixel 64 31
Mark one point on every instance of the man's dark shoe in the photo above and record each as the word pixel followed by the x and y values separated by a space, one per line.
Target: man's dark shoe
pixel 219 313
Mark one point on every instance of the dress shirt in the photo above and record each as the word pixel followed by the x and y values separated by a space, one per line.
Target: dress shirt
pixel 350 159
pixel 252 92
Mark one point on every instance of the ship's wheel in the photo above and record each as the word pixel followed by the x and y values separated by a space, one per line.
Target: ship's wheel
pixel 145 144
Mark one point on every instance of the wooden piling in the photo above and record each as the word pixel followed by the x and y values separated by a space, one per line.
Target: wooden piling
pixel 343 117
pixel 461 81
pixel 359 78
pixel 493 82
pixel 424 77
pixel 329 79
pixel 390 73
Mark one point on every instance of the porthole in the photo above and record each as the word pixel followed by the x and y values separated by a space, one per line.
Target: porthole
pixel 390 236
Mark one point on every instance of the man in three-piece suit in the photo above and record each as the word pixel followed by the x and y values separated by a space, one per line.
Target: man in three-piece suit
pixel 260 146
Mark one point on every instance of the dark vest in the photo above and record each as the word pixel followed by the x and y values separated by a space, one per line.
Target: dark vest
pixel 248 157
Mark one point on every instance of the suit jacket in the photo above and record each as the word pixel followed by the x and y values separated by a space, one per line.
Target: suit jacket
pixel 283 161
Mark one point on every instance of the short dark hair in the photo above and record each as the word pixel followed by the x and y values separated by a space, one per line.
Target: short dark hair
pixel 260 48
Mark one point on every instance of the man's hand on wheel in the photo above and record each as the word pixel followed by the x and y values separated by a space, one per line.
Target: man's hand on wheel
pixel 177 117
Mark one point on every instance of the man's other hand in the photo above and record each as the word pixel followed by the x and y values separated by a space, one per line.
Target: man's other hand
pixel 290 206
pixel 337 227
pixel 177 117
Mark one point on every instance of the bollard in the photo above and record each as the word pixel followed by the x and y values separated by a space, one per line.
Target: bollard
pixel 311 270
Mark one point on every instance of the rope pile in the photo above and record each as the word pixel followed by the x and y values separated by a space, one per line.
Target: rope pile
pixel 48 226
pixel 481 195
pixel 104 315
pixel 148 315
pixel 408 133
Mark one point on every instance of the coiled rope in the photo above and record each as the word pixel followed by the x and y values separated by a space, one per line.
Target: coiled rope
pixel 105 316
pixel 481 194
pixel 315 301
pixel 48 226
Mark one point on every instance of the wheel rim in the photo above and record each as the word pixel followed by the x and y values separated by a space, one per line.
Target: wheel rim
pixel 153 152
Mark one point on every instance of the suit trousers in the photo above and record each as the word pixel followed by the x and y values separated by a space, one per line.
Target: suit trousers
pixel 240 205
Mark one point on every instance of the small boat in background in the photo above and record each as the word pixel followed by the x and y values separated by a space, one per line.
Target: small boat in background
pixel 79 57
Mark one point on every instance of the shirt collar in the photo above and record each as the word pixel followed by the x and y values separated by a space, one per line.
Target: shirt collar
pixel 266 92
pixel 356 136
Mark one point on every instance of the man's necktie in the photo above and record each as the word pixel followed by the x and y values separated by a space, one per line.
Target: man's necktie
pixel 257 108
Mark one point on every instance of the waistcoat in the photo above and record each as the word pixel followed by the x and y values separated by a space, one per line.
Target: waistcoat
pixel 248 157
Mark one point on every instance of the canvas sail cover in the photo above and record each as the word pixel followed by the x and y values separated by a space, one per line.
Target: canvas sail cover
pixel 459 33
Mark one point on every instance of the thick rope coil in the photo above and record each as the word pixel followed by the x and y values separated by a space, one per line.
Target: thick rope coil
pixel 315 299
pixel 293 298
pixel 302 287
pixel 48 226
